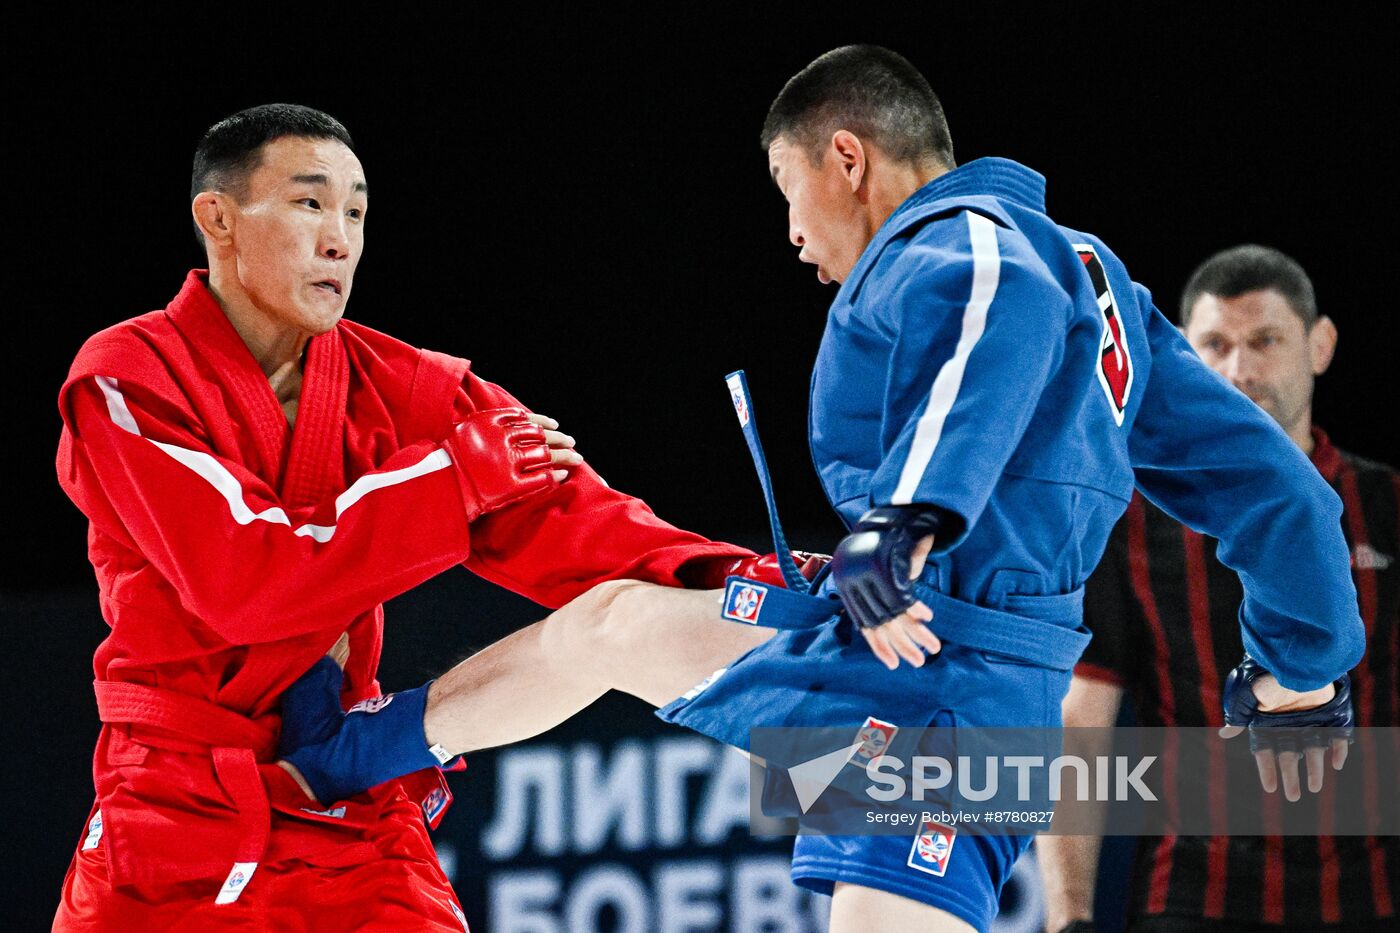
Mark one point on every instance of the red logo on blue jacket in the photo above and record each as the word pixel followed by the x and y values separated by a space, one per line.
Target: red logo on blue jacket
pixel 743 601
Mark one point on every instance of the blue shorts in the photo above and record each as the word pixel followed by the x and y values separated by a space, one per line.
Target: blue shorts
pixel 957 872
pixel 825 675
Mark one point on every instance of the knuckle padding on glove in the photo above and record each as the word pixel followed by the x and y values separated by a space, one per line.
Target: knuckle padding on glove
pixel 529 450
pixel 1290 731
pixel 862 603
pixel 870 601
pixel 871 565
pixel 503 457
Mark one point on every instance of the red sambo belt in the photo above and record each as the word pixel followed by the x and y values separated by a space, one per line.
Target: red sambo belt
pixel 245 743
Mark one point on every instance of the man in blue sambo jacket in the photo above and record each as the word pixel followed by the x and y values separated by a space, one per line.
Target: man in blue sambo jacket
pixel 990 388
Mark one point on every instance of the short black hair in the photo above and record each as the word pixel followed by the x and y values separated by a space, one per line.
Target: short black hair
pixel 1251 268
pixel 231 149
pixel 870 91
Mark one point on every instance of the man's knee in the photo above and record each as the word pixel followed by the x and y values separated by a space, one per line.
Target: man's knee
pixel 615 595
pixel 605 618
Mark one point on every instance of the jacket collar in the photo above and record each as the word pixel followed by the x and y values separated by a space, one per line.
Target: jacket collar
pixel 314 467
pixel 984 185
pixel 995 177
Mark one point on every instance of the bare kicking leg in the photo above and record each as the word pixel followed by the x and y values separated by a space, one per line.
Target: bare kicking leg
pixel 651 641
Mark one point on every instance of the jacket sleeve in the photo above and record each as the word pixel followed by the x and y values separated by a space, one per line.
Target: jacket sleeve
pixel 252 569
pixel 1214 461
pixel 554 547
pixel 979 326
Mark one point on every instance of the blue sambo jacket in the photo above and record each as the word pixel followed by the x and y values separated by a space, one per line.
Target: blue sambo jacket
pixel 982 359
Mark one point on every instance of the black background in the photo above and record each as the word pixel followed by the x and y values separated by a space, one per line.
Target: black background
pixel 577 202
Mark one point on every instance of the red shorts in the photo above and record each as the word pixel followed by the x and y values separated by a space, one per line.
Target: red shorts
pixel 401 889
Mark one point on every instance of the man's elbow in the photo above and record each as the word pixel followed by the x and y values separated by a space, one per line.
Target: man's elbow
pixel 239 609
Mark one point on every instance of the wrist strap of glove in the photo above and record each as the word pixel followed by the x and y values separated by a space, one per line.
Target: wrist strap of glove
pixel 378 740
pixel 914 520
pixel 1285 731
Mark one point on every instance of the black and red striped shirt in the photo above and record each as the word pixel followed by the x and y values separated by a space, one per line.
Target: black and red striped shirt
pixel 1165 617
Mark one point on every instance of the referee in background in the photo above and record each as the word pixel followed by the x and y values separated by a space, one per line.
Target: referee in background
pixel 1165 617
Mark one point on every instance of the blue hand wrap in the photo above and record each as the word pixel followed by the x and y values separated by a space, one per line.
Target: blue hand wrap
pixel 311 707
pixel 378 740
pixel 871 564
pixel 1285 732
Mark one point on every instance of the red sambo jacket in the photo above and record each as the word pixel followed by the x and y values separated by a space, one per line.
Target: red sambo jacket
pixel 232 550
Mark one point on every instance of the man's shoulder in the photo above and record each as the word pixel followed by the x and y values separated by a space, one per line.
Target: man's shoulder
pixel 354 331
pixel 423 386
pixel 132 349
pixel 927 240
pixel 939 244
pixel 362 340
pixel 946 223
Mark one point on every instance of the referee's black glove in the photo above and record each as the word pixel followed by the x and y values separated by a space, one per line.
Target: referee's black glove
pixel 1285 732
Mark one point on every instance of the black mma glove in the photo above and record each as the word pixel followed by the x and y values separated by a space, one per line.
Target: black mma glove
pixel 871 564
pixel 1307 728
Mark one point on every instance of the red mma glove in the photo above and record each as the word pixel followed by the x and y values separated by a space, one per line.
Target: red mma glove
pixel 765 569
pixel 502 458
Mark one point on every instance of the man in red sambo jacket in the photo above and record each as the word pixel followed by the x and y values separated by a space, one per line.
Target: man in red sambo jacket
pixel 260 476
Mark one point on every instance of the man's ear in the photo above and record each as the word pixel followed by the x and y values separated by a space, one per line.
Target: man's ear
pixel 1322 344
pixel 213 215
pixel 851 156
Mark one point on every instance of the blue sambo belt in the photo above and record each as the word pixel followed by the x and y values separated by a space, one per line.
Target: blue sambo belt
pixel 1042 630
